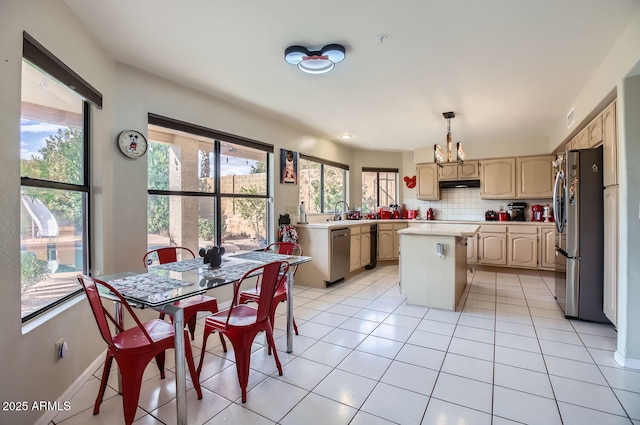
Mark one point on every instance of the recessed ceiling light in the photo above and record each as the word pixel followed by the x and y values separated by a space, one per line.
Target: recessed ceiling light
pixel 346 136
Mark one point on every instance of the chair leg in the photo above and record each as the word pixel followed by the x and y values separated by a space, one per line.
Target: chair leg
pixel 272 343
pixel 224 344
pixel 242 348
pixel 103 383
pixel 195 377
pixel 132 371
pixel 191 324
pixel 203 350
pixel 160 361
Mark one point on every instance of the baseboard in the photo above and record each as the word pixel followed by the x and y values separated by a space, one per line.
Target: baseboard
pixel 625 362
pixel 73 388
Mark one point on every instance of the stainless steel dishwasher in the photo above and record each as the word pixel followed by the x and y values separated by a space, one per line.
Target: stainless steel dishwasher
pixel 340 253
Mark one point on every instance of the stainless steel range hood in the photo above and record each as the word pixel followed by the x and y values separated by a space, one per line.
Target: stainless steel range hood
pixel 448 184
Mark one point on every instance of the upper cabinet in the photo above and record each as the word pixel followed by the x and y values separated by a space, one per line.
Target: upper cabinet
pixel 535 177
pixel 427 184
pixel 466 171
pixel 497 178
pixel 595 131
pixel 610 142
pixel 581 141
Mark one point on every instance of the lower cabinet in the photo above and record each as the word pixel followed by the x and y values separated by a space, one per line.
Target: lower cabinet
pixel 548 248
pixel 388 240
pixel 472 250
pixel 493 245
pixel 523 249
pixel 360 254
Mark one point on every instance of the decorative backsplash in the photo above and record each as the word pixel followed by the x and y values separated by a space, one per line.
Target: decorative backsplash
pixel 465 204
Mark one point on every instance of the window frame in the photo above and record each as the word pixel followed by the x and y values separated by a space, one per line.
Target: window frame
pixel 379 170
pixel 36 54
pixel 216 196
pixel 323 162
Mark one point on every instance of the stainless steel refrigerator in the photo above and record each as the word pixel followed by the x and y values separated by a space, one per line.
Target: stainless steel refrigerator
pixel 579 215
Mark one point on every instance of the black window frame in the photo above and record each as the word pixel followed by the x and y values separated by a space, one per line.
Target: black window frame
pixel 379 170
pixel 330 163
pixel 46 61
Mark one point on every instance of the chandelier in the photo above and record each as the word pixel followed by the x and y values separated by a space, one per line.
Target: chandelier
pixel 451 156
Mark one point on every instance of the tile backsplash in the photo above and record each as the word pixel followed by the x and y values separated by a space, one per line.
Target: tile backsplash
pixel 466 204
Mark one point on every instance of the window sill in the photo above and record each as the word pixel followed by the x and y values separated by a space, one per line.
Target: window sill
pixel 45 317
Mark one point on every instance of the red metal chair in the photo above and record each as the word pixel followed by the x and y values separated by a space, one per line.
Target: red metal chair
pixel 132 348
pixel 253 295
pixel 241 322
pixel 191 305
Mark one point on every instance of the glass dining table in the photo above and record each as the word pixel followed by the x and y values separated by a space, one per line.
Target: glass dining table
pixel 164 284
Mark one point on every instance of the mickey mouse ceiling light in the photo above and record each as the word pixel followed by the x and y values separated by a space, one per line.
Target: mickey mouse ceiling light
pixel 315 62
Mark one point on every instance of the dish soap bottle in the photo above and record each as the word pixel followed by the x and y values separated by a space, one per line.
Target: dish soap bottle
pixel 302 219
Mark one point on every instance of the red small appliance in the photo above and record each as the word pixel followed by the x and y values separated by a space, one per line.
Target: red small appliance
pixel 430 215
pixel 536 213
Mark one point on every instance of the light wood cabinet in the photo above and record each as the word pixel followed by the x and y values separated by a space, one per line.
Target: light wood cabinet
pixel 595 131
pixel 497 178
pixel 354 253
pixel 548 248
pixel 472 249
pixel 389 241
pixel 365 248
pixel 610 144
pixel 610 296
pixel 493 245
pixel 465 171
pixel 535 177
pixel 582 140
pixel 427 184
pixel 523 248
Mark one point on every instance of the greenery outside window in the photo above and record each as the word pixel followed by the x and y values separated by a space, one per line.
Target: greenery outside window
pixel 54 169
pixel 322 184
pixel 205 188
pixel 379 188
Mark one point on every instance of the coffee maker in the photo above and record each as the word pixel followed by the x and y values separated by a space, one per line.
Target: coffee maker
pixel 516 209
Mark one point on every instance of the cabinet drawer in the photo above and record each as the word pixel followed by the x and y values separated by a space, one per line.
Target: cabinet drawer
pixel 492 228
pixel 528 230
pixel 355 230
pixel 385 226
pixel 365 228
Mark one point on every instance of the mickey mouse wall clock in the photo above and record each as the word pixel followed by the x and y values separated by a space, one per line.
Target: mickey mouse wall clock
pixel 132 144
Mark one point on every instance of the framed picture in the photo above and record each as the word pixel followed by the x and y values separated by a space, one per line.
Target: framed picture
pixel 288 166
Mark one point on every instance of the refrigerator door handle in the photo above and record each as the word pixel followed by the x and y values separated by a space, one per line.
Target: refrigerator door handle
pixel 558 208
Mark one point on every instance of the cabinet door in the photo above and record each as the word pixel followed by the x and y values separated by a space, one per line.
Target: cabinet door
pixel 428 188
pixel 396 239
pixel 497 179
pixel 385 244
pixel 582 140
pixel 523 250
pixel 472 249
pixel 493 248
pixel 448 171
pixel 535 177
pixel 610 137
pixel 354 256
pixel 610 296
pixel 469 170
pixel 548 248
pixel 365 249
pixel 595 131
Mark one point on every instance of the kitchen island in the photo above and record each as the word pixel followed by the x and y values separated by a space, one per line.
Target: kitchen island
pixel 433 263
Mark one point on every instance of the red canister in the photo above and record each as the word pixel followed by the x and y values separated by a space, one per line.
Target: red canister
pixel 536 213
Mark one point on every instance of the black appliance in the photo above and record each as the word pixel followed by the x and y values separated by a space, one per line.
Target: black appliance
pixel 491 215
pixel 516 210
pixel 373 233
pixel 452 184
pixel 578 201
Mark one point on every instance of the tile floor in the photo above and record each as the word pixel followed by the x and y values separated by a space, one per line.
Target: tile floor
pixel 364 357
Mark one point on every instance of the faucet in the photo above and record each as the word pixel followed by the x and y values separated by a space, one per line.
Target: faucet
pixel 336 216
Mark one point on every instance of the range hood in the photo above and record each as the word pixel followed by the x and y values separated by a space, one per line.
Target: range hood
pixel 448 184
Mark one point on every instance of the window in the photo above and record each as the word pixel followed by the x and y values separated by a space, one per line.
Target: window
pixel 322 184
pixel 379 188
pixel 205 188
pixel 54 139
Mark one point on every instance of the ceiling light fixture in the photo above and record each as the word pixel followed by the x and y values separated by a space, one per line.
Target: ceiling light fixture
pixel 346 136
pixel 317 61
pixel 438 154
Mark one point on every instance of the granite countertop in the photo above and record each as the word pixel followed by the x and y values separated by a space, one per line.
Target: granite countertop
pixel 442 229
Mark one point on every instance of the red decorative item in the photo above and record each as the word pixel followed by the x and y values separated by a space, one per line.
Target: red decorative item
pixel 410 181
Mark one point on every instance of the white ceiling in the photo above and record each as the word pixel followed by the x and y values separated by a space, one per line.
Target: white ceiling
pixel 509 69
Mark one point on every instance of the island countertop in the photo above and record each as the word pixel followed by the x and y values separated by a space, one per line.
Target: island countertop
pixel 442 229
